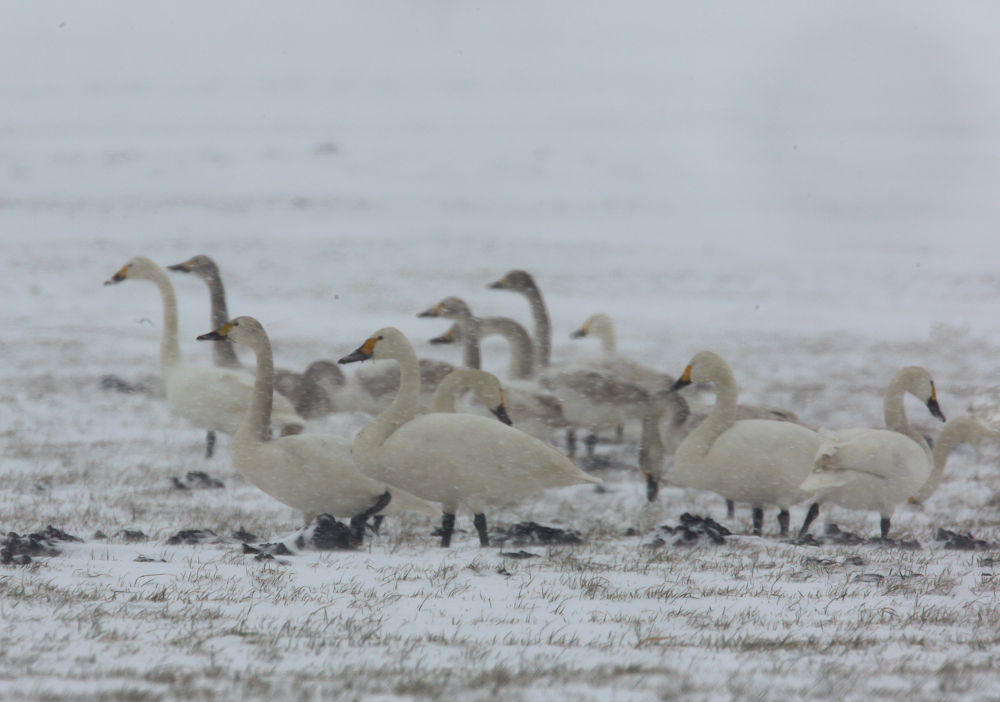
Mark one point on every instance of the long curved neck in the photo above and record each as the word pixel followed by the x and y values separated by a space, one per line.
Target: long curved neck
pixel 170 349
pixel 959 429
pixel 469 328
pixel 256 424
pixel 443 399
pixel 895 416
pixel 722 417
pixel 543 329
pixel 403 407
pixel 521 346
pixel 223 352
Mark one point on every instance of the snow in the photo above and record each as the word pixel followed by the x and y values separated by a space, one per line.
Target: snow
pixel 807 188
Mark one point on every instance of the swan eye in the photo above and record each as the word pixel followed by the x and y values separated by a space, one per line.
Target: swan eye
pixel 380 338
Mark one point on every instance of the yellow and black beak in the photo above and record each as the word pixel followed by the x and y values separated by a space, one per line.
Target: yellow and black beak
pixel 933 406
pixel 363 353
pixel 434 311
pixel 447 338
pixel 501 413
pixel 683 381
pixel 182 267
pixel 498 285
pixel 220 334
pixel 118 277
pixel 580 333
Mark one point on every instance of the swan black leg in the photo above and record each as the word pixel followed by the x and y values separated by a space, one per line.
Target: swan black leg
pixel 359 520
pixel 810 516
pixel 652 488
pixel 377 522
pixel 758 520
pixel 479 521
pixel 885 527
pixel 590 442
pixel 620 433
pixel 730 509
pixel 783 518
pixel 447 529
pixel 570 443
pixel 209 444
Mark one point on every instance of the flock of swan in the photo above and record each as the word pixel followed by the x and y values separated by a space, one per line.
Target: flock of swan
pixel 418 454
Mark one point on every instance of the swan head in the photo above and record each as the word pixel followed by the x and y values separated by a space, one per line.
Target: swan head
pixel 387 343
pixel 449 308
pixel 137 268
pixel 201 265
pixel 452 336
pixel 516 280
pixel 242 330
pixel 598 323
pixel 918 382
pixel 705 367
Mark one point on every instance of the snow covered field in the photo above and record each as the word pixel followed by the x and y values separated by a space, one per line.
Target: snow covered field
pixel 808 189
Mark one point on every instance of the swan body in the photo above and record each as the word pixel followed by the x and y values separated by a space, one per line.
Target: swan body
pixel 314 393
pixel 876 469
pixel 314 473
pixel 213 398
pixel 453 459
pixel 758 461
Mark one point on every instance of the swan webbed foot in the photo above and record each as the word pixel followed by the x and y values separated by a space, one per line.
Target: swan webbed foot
pixel 783 517
pixel 479 521
pixel 652 488
pixel 447 529
pixel 209 444
pixel 810 516
pixel 730 509
pixel 590 442
pixel 758 521
pixel 885 527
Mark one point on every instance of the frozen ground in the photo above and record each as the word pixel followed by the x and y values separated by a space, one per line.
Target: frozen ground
pixel 808 190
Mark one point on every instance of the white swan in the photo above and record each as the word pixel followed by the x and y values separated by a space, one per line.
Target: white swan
pixel 451 458
pixel 533 409
pixel 758 461
pixel 209 397
pixel 965 427
pixel 876 469
pixel 315 473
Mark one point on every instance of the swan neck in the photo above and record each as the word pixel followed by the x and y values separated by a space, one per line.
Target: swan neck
pixel 522 350
pixel 223 352
pixel 170 349
pixel 403 408
pixel 608 345
pixel 543 329
pixel 443 399
pixel 257 423
pixel 469 327
pixel 895 417
pixel 722 417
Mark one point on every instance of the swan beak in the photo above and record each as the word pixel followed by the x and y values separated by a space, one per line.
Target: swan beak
pixel 363 353
pixel 220 334
pixel 434 311
pixel 118 277
pixel 501 413
pixel 935 408
pixel 498 285
pixel 447 338
pixel 182 267
pixel 579 333
pixel 683 381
